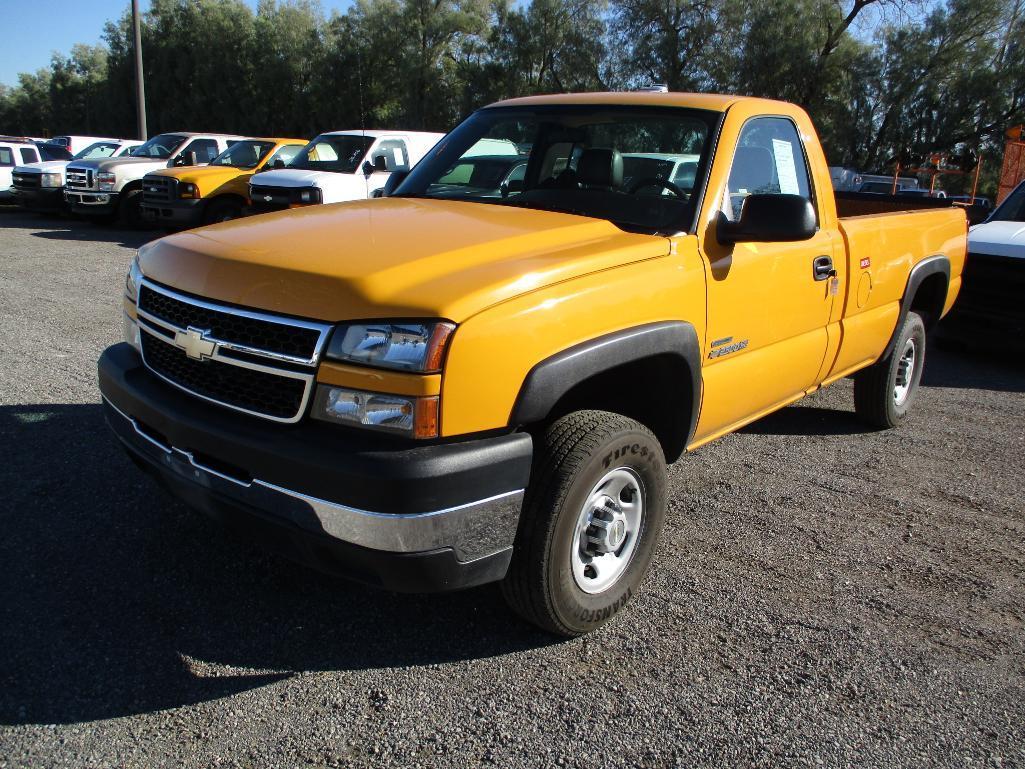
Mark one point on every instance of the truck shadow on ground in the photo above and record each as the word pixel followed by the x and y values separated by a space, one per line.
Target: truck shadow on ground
pixel 117 600
pixel 947 366
pixel 54 227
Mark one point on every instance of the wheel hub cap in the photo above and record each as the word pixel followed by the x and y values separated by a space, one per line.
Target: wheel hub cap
pixel 607 530
pixel 905 373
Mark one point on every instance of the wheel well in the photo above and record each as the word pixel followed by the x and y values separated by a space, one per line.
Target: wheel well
pixel 135 184
pixel 929 299
pixel 656 391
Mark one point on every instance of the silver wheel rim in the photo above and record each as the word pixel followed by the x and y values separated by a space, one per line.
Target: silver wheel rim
pixel 607 530
pixel 905 373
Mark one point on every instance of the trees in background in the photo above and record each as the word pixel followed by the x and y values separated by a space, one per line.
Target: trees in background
pixel 930 77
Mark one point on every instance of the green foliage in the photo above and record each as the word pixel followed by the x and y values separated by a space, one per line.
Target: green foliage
pixel 931 77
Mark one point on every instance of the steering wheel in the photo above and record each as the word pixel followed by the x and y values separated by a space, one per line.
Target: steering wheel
pixel 654 181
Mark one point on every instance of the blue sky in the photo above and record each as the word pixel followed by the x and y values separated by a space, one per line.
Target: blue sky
pixel 45 26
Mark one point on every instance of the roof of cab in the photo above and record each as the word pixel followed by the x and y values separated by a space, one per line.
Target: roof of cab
pixel 709 101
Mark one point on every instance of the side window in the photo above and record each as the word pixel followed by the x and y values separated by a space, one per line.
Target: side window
pixel 6 157
pixel 769 160
pixel 284 154
pixel 205 149
pixel 396 157
pixel 28 155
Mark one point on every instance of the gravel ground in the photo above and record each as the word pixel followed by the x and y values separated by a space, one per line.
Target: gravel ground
pixel 823 595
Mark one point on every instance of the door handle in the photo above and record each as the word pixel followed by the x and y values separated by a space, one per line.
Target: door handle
pixel 822 268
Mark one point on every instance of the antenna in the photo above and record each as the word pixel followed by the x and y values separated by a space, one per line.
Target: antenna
pixel 359 80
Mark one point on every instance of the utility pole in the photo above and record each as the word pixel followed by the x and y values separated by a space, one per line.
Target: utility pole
pixel 140 88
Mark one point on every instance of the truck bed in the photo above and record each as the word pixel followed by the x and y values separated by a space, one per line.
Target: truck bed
pixel 866 204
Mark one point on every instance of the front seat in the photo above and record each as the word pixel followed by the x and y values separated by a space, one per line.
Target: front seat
pixel 600 168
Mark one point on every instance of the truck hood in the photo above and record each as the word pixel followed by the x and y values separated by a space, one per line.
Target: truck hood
pixel 293 177
pixel 138 166
pixel 44 166
pixel 207 178
pixel 998 239
pixel 390 258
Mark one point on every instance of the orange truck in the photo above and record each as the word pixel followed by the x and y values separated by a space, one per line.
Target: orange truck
pixel 482 376
pixel 179 198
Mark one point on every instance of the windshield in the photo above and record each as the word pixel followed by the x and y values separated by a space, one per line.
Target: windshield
pixel 244 154
pixel 341 154
pixel 1013 207
pixel 53 152
pixel 159 147
pixel 97 150
pixel 636 167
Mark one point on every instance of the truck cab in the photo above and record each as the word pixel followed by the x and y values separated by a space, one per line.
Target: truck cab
pixel 111 188
pixel 179 198
pixel 339 166
pixel 472 381
pixel 40 186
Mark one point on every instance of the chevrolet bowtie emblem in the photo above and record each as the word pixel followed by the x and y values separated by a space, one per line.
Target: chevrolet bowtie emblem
pixel 268 198
pixel 194 343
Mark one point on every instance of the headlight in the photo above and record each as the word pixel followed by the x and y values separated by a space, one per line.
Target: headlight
pixel 52 180
pixel 106 180
pixel 132 280
pixel 413 417
pixel 418 347
pixel 311 195
pixel 188 190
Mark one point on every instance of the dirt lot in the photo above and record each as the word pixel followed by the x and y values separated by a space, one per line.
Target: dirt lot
pixel 823 595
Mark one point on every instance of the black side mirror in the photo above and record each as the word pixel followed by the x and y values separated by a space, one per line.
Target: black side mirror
pixel 393 182
pixel 368 168
pixel 187 159
pixel 769 218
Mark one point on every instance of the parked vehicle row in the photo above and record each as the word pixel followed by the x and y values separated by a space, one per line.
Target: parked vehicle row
pixel 184 179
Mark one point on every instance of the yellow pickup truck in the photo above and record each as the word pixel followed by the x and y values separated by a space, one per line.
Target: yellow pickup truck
pixel 482 376
pixel 179 198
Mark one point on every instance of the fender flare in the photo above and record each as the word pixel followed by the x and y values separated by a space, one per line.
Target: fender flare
pixel 938 264
pixel 552 378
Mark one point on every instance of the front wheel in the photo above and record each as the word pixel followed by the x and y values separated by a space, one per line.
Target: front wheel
pixel 885 391
pixel 592 515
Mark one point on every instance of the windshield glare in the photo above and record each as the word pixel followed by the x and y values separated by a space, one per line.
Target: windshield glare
pixel 638 167
pixel 97 150
pixel 1013 207
pixel 159 147
pixel 341 154
pixel 244 154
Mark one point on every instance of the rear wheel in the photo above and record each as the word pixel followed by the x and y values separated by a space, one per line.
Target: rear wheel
pixel 593 512
pixel 886 390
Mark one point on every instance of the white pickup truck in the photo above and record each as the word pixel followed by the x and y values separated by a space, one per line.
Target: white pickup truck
pixel 339 166
pixel 40 186
pixel 111 188
pixel 991 305
pixel 14 151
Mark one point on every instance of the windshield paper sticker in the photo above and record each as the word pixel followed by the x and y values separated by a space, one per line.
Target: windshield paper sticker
pixel 786 171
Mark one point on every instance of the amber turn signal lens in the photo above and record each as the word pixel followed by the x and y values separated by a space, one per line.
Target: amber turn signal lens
pixel 425 424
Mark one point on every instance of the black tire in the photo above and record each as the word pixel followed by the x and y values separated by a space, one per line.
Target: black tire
pixel 221 211
pixel 130 209
pixel 875 388
pixel 570 458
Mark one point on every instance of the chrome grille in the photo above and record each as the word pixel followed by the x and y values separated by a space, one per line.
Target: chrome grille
pixel 80 178
pixel 159 189
pixel 24 181
pixel 249 361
